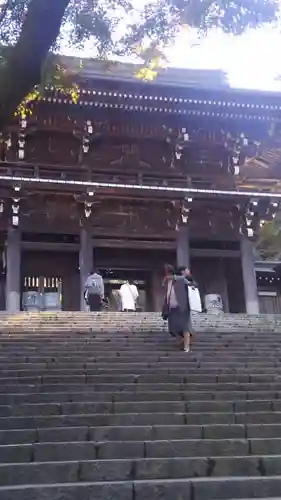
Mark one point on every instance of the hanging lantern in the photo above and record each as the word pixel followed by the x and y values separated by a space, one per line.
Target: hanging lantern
pixel 21 139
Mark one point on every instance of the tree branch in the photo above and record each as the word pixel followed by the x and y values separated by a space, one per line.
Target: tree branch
pixel 3 11
pixel 23 68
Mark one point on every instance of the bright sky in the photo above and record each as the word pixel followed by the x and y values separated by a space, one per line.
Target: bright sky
pixel 251 61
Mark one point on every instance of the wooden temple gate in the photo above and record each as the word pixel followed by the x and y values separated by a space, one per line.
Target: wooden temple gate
pixel 132 177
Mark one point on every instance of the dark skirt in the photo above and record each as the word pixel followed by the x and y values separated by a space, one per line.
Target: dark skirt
pixel 179 322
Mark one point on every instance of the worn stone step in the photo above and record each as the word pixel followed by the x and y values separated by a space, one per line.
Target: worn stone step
pixel 85 395
pixel 250 345
pixel 198 351
pixel 123 419
pixel 110 407
pixel 134 433
pixel 227 488
pixel 215 343
pixel 191 361
pixel 53 452
pixel 212 388
pixel 123 357
pixel 19 368
pixel 151 371
pixel 90 450
pixel 138 469
pixel 137 337
pixel 210 341
pixel 134 378
pixel 135 332
pixel 138 433
pixel 72 451
pixel 161 371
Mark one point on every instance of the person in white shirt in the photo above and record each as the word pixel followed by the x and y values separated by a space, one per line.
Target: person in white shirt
pixel 129 294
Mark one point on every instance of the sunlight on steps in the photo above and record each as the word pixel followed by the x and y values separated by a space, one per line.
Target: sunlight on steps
pixel 150 322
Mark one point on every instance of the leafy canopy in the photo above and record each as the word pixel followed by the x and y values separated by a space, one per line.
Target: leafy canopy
pixel 30 28
pixel 122 26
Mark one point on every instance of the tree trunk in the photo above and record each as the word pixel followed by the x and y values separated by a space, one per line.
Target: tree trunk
pixel 23 67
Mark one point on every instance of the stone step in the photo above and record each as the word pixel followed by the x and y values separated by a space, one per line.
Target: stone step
pixel 87 373
pixel 217 389
pixel 153 378
pixel 137 332
pixel 134 336
pixel 225 488
pixel 205 341
pixel 174 349
pixel 116 407
pixel 194 361
pixel 90 450
pixel 239 346
pixel 138 469
pixel 23 369
pixel 138 419
pixel 204 338
pixel 160 349
pixel 139 433
pixel 84 396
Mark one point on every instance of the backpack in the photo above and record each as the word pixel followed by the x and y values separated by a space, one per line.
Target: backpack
pixel 94 288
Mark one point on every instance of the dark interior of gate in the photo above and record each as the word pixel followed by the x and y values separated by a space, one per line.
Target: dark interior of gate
pixel 50 279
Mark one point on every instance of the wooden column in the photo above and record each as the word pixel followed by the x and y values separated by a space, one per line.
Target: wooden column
pixel 13 271
pixel 85 262
pixel 157 290
pixel 183 256
pixel 249 276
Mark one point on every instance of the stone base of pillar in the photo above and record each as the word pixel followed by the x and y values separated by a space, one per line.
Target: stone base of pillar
pixel 13 302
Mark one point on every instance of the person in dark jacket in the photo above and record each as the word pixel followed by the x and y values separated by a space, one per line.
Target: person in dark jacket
pixel 94 291
pixel 176 301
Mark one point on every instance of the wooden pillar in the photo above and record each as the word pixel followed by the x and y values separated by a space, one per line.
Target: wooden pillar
pixel 85 262
pixel 157 290
pixel 183 257
pixel 249 276
pixel 224 291
pixel 13 270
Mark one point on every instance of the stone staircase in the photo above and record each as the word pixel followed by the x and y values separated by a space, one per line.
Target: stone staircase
pixel 125 415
